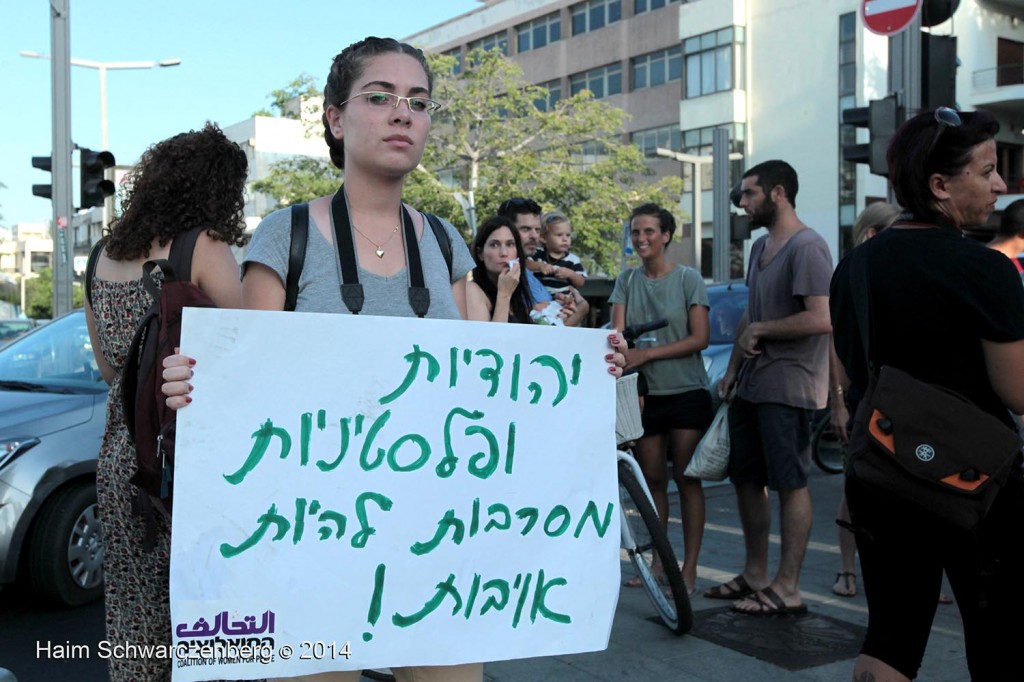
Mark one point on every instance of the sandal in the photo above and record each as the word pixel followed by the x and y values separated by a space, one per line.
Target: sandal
pixel 767 602
pixel 727 590
pixel 846 584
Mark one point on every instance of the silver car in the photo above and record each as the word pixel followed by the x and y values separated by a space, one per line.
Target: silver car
pixel 52 417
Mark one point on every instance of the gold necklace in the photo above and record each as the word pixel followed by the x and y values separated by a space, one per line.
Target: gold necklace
pixel 380 247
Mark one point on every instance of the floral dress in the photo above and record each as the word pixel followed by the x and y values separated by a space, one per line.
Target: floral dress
pixel 136 581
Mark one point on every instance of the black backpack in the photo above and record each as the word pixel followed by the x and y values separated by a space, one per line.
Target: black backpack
pixel 297 251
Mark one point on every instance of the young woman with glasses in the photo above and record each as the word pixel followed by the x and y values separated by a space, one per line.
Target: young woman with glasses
pixel 950 312
pixel 377 116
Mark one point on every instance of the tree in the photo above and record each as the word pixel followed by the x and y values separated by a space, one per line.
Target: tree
pixel 285 101
pixel 298 179
pixel 494 139
pixel 39 295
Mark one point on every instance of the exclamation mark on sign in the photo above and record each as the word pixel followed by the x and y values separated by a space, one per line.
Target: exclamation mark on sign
pixel 378 592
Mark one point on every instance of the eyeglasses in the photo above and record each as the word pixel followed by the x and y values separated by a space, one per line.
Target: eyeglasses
pixel 947 118
pixel 518 205
pixel 417 105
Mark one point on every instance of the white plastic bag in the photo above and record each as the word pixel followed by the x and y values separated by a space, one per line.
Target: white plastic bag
pixel 710 460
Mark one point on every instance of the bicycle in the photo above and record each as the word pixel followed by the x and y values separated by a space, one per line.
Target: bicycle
pixel 643 536
pixel 827 451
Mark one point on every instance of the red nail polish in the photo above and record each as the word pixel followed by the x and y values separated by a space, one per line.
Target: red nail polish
pixel 188 399
pixel 190 387
pixel 191 361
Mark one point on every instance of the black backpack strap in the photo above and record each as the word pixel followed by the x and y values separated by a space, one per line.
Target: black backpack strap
pixel 351 289
pixel 419 294
pixel 444 240
pixel 296 253
pixel 180 258
pixel 90 268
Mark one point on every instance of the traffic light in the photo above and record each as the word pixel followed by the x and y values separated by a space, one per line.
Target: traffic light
pixel 43 163
pixel 95 188
pixel 881 117
pixel 885 116
pixel 938 71
pixel 857 117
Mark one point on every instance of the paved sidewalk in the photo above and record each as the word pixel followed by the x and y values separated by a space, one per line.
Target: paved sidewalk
pixel 641 649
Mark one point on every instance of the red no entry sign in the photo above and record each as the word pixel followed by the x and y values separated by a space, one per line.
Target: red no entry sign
pixel 888 17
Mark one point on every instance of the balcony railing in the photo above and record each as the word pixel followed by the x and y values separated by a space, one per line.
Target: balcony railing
pixel 1004 74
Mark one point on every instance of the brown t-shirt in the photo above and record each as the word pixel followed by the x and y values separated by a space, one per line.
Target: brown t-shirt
pixel 791 372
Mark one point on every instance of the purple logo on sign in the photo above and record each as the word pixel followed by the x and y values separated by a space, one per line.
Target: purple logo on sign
pixel 223 625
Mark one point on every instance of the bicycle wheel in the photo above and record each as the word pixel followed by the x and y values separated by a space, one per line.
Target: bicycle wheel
pixel 827 451
pixel 651 547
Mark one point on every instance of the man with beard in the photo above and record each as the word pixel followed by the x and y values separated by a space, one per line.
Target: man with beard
pixel 779 372
pixel 525 213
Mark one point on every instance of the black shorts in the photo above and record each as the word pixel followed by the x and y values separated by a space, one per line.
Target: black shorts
pixel 688 410
pixel 771 444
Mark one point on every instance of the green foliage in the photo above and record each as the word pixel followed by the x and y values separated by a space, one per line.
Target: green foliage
pixel 39 295
pixel 303 86
pixel 491 142
pixel 495 143
pixel 300 178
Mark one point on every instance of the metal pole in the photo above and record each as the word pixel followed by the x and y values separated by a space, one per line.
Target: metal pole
pixel 721 227
pixel 698 162
pixel 108 173
pixel 698 226
pixel 905 72
pixel 60 73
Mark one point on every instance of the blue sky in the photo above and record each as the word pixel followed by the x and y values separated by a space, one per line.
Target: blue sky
pixel 233 53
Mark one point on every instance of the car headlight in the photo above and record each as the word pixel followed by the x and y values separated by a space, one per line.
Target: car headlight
pixel 13 448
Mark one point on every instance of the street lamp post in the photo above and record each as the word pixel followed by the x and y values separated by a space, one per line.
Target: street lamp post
pixel 698 163
pixel 102 68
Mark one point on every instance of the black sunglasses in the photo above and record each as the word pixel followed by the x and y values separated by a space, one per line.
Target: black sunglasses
pixel 946 118
pixel 517 205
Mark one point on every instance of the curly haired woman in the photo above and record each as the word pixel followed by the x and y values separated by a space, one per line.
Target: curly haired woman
pixel 192 181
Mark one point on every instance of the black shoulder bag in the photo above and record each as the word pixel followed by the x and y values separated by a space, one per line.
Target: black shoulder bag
pixel 919 442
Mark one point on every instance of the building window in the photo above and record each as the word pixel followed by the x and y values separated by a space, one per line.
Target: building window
pixel 603 81
pixel 554 94
pixel 641 6
pixel 39 261
pixel 847 133
pixel 590 153
pixel 536 34
pixel 714 62
pixel 595 14
pixel 667 137
pixel 657 68
pixel 496 41
pixel 698 141
pixel 457 53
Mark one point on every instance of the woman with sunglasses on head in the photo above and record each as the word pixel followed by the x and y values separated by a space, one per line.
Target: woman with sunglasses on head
pixel 949 312
pixel 497 292
pixel 377 116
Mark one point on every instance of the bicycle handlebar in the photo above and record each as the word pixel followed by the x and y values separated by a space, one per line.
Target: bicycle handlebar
pixel 633 331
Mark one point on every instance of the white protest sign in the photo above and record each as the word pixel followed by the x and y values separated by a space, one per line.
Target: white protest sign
pixel 357 491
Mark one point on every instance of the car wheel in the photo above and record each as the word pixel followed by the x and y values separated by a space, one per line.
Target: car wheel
pixel 66 551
